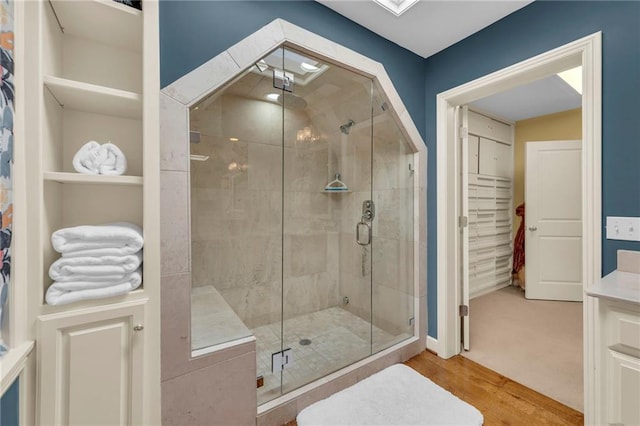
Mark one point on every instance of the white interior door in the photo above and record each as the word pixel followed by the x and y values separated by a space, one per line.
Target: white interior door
pixel 553 220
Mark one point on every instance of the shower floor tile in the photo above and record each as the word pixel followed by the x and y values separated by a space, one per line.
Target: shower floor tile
pixel 338 338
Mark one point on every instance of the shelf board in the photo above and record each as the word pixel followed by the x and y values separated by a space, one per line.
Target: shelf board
pixel 104 21
pixel 12 363
pixel 92 98
pixel 64 177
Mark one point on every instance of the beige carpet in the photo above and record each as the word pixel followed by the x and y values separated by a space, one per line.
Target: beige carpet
pixel 536 343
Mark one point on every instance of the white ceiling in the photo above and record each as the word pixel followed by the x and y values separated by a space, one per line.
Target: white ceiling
pixel 428 26
pixel 431 26
pixel 542 97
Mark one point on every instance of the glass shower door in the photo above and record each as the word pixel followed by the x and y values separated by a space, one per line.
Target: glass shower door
pixel 301 220
pixel 327 178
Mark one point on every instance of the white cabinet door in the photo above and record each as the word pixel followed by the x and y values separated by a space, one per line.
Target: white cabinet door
pixel 487 160
pixel 495 158
pixel 623 389
pixel 503 160
pixel 489 128
pixel 90 365
pixel 473 154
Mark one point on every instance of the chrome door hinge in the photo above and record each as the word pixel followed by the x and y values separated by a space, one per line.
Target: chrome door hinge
pixel 464 310
pixel 463 221
pixel 283 80
pixel 281 360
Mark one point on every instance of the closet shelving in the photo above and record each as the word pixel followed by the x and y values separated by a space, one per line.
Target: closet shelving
pixel 489 200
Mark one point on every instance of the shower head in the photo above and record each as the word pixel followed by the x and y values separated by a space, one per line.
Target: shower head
pixel 346 127
pixel 292 101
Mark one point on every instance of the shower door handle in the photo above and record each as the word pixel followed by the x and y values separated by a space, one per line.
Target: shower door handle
pixel 360 225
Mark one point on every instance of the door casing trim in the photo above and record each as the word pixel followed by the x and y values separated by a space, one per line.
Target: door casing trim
pixel 587 52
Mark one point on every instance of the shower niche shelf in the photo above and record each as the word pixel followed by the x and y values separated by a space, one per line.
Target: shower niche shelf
pixel 337 191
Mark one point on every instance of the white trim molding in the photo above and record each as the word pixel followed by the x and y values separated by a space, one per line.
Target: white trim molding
pixel 586 52
pixel 432 344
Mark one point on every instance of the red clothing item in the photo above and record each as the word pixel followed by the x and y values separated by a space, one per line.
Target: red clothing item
pixel 518 244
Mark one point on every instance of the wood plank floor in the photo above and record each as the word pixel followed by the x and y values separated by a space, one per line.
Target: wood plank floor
pixel 500 400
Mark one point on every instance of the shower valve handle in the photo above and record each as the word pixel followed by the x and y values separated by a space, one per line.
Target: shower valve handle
pixel 358 226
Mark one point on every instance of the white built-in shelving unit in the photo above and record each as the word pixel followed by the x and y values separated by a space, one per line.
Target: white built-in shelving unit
pixel 92 73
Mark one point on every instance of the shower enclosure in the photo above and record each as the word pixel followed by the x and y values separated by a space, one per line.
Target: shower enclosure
pixel 302 233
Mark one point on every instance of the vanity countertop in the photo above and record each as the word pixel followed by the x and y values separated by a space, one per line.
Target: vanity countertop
pixel 618 285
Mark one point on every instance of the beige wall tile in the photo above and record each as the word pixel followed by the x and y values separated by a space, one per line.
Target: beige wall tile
pixel 174 134
pixel 174 222
pixel 203 79
pixel 175 326
pixel 629 261
pixel 222 393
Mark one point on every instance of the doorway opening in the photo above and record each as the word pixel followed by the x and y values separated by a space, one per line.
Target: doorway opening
pixel 506 331
pixel 585 52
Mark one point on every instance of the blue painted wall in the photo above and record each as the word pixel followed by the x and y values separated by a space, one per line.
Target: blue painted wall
pixel 9 405
pixel 192 32
pixel 539 27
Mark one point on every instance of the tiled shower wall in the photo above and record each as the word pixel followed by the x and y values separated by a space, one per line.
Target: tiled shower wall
pixel 236 211
pixel 237 205
pixel 378 279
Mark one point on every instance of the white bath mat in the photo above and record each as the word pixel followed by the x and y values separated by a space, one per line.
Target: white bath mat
pixel 397 395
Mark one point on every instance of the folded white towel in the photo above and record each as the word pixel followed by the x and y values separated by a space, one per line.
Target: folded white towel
pixel 114 239
pixel 87 159
pixel 93 159
pixel 61 293
pixel 103 268
pixel 114 162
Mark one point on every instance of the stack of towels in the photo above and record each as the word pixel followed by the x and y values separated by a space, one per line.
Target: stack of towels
pixel 96 159
pixel 97 261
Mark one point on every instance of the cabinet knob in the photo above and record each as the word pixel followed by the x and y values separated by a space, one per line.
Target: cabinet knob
pixel 533 228
pixel 138 327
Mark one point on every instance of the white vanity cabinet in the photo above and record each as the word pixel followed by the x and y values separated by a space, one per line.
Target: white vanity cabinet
pixel 91 366
pixel 620 362
pixel 617 343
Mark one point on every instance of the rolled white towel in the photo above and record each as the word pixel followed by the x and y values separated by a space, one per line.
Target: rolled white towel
pixel 113 160
pixel 114 239
pixel 88 158
pixel 61 293
pixel 95 159
pixel 102 268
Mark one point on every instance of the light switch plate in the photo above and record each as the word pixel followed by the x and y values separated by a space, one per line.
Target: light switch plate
pixel 623 228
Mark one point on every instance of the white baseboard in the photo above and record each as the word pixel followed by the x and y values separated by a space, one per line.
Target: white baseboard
pixel 432 344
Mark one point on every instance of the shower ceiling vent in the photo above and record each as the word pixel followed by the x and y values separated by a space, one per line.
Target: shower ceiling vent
pixel 397 7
